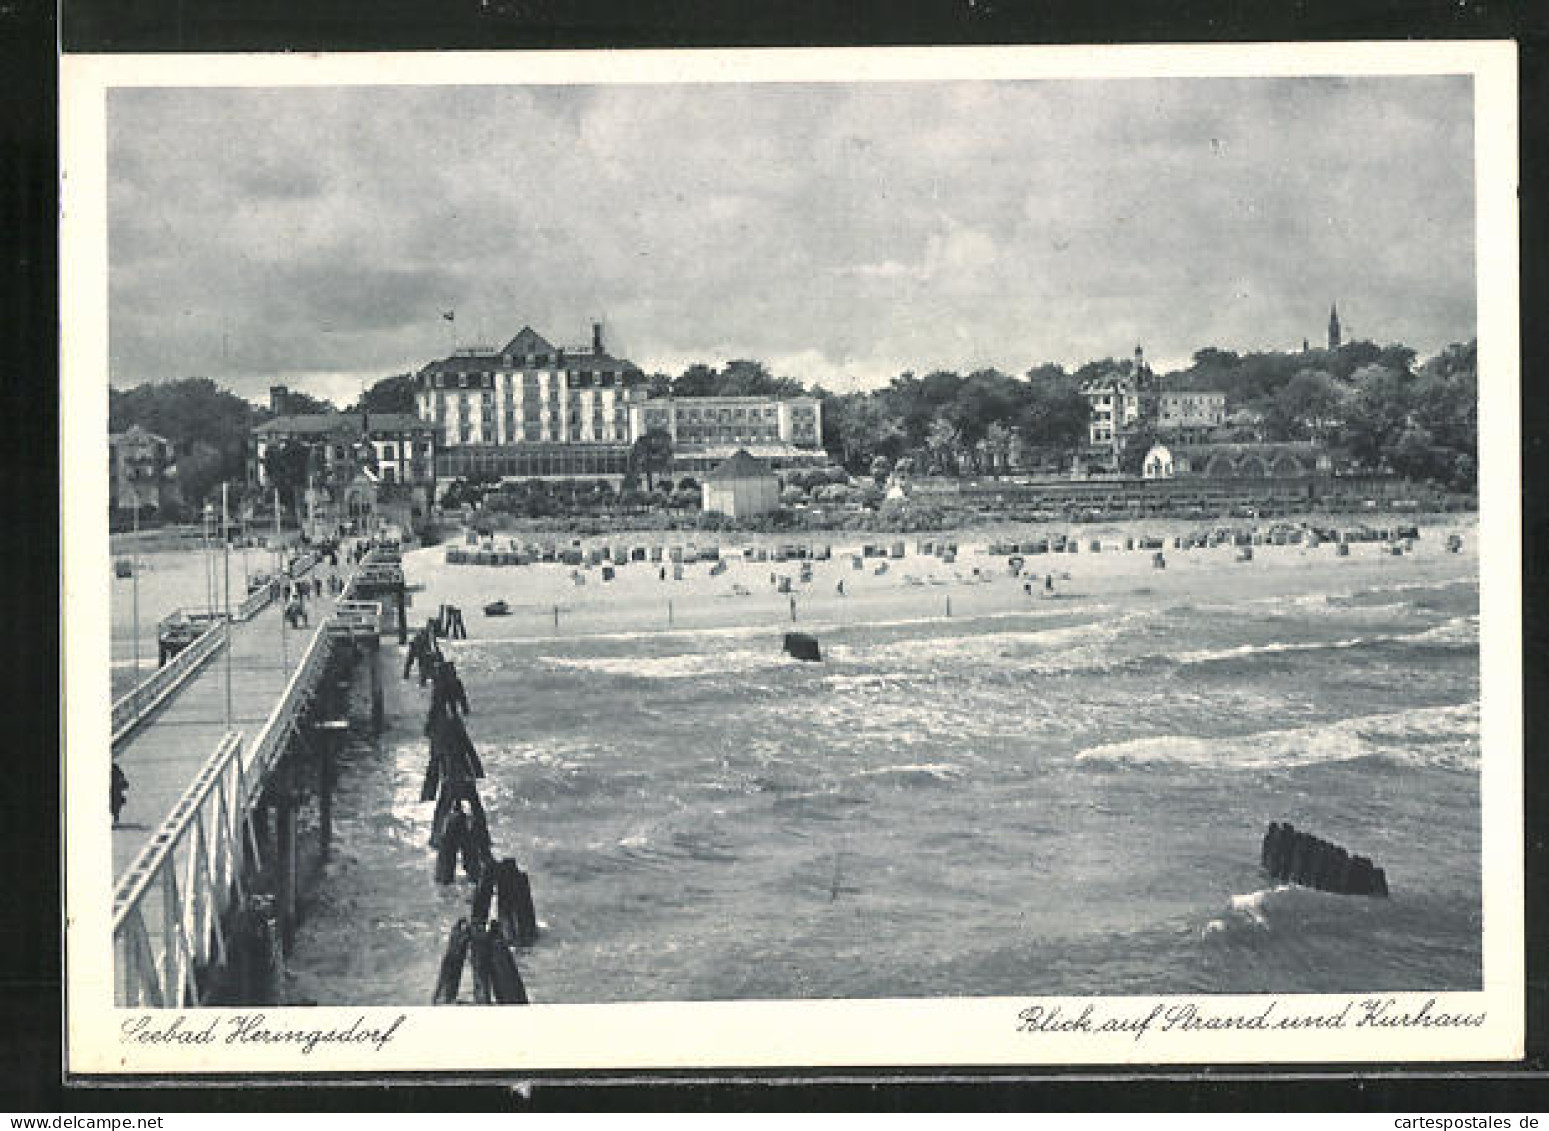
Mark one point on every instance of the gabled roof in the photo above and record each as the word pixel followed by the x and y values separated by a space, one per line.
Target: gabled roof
pixel 740 466
pixel 527 341
pixel 586 362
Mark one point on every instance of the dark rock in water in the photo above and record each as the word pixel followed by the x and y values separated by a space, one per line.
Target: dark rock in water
pixel 1291 856
pixel 803 647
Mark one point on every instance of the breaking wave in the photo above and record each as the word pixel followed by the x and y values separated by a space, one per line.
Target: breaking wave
pixel 684 665
pixel 1435 737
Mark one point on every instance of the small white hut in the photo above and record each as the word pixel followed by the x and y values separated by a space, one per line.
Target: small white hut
pixel 741 487
pixel 1158 463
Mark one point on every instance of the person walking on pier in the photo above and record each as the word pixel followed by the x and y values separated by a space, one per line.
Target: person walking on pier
pixel 116 792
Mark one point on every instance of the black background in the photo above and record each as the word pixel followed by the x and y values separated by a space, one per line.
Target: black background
pixel 31 693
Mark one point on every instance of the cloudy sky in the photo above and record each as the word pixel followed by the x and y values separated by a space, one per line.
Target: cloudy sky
pixel 842 233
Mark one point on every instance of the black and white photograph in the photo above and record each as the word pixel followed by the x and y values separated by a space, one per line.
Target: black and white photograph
pixel 868 557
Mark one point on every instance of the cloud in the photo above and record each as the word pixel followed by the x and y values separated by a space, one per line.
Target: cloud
pixel 854 229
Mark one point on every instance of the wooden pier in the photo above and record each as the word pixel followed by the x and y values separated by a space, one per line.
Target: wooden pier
pixel 221 749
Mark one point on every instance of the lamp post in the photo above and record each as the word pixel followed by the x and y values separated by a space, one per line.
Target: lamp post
pixel 279 571
pixel 209 565
pixel 226 570
pixel 134 581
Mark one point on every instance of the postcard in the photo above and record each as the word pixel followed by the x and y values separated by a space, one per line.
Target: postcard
pixel 802 560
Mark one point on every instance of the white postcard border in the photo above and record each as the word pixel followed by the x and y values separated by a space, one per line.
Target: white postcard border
pixel 783 1034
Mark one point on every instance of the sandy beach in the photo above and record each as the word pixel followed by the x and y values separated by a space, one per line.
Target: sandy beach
pixel 554 600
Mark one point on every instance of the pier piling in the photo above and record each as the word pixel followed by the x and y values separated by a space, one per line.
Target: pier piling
pixel 449 981
pixel 374 667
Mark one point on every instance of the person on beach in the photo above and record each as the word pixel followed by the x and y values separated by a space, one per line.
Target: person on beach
pixel 840 587
pixel 1048 583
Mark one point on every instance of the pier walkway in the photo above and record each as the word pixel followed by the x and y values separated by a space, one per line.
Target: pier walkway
pixel 165 753
pixel 221 748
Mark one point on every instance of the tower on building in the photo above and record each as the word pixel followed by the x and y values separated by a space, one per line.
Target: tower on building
pixel 1334 336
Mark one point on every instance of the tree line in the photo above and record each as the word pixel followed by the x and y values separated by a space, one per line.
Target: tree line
pixel 209 427
pixel 1373 406
pixel 1376 407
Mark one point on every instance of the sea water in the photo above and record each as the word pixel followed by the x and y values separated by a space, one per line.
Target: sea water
pixel 1068 800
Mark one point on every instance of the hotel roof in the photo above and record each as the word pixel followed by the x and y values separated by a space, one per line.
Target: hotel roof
pixel 529 343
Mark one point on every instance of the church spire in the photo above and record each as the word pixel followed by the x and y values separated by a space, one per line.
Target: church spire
pixel 1334 335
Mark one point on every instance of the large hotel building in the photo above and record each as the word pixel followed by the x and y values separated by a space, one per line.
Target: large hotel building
pixel 533 409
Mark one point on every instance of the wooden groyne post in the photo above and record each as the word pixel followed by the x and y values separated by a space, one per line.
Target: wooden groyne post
pixel 1292 856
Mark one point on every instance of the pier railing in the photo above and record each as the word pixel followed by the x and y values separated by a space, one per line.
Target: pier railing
pixel 178 888
pixel 255 602
pixel 167 909
pixel 133 707
pixel 281 724
pixel 169 906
